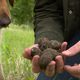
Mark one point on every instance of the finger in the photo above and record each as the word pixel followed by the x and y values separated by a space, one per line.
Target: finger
pixel 27 52
pixel 59 64
pixel 72 50
pixel 35 64
pixel 73 70
pixel 50 70
pixel 64 46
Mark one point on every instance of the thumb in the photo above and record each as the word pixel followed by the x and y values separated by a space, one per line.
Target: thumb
pixel 72 50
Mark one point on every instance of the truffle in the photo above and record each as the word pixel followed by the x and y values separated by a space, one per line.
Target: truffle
pixel 48 50
pixel 36 51
pixel 48 55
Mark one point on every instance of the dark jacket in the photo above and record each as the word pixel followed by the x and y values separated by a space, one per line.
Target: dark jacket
pixel 56 19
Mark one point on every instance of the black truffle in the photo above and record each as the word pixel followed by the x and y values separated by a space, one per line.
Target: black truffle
pixel 48 55
pixel 36 51
pixel 48 50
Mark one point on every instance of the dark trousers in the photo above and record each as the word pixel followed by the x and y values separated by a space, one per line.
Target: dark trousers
pixel 69 60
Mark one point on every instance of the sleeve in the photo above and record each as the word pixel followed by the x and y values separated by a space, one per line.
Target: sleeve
pixel 48 20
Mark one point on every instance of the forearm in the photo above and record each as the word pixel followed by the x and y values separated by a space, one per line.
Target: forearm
pixel 48 21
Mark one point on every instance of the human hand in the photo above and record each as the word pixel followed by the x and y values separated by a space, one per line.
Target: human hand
pixel 75 69
pixel 53 67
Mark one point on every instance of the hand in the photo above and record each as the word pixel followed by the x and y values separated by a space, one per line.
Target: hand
pixel 53 68
pixel 73 70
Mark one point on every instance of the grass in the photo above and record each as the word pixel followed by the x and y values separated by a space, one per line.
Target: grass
pixel 14 40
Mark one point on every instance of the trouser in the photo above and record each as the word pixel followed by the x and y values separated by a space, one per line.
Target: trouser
pixel 69 60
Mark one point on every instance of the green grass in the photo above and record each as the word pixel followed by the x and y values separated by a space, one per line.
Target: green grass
pixel 14 40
